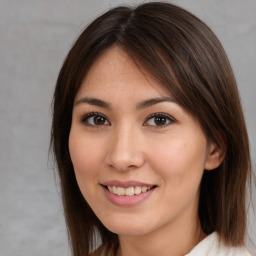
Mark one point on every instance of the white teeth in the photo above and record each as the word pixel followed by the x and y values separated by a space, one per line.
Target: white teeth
pixel 144 189
pixel 137 190
pixel 110 189
pixel 130 191
pixel 120 191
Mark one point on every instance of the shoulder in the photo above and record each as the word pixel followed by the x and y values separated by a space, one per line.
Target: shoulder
pixel 212 246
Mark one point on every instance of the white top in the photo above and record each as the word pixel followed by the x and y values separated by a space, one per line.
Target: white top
pixel 211 246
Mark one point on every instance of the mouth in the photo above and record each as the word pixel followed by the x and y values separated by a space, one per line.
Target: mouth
pixel 129 191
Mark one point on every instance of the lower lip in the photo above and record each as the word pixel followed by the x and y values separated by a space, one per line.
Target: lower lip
pixel 127 200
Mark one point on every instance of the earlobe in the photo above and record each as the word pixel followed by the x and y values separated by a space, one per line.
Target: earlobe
pixel 215 156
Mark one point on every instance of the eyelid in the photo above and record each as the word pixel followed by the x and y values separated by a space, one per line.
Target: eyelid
pixel 93 114
pixel 167 116
pixel 85 118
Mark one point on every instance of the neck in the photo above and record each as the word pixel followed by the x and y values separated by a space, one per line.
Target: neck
pixel 176 239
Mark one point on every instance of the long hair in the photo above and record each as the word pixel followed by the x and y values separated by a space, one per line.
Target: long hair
pixel 185 56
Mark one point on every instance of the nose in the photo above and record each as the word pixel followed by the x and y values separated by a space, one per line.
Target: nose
pixel 126 150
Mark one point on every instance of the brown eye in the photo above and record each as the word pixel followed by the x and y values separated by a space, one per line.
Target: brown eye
pixel 95 119
pixel 99 120
pixel 159 120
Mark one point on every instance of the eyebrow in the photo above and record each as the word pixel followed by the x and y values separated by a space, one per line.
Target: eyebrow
pixel 141 105
pixel 153 101
pixel 93 101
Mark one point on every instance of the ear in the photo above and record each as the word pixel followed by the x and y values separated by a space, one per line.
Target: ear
pixel 215 156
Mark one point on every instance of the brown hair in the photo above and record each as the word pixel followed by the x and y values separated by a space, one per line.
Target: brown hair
pixel 183 53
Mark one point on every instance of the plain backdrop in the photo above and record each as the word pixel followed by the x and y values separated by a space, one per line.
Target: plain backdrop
pixel 35 36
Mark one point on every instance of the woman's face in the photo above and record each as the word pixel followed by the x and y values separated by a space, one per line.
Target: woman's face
pixel 138 156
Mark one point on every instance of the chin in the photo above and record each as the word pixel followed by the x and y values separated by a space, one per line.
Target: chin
pixel 128 231
pixel 128 228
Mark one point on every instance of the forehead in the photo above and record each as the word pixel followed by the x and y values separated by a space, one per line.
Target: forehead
pixel 115 71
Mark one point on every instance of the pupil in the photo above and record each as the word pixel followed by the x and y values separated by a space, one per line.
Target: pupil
pixel 160 120
pixel 99 120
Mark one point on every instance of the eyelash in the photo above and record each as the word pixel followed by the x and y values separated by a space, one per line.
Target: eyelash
pixel 86 117
pixel 161 115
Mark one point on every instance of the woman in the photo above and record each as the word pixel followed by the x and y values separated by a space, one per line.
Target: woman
pixel 150 139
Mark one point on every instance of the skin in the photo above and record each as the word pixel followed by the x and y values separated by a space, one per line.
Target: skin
pixel 131 145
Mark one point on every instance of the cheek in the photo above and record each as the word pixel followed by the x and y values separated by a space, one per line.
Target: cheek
pixel 179 161
pixel 85 156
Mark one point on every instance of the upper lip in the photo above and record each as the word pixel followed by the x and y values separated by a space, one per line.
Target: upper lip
pixel 126 184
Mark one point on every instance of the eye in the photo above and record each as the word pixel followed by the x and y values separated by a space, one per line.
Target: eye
pixel 95 119
pixel 158 120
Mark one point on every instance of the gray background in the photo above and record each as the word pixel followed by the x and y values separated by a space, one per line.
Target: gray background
pixel 34 39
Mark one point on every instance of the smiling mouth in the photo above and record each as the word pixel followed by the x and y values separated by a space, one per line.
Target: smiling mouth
pixel 129 191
